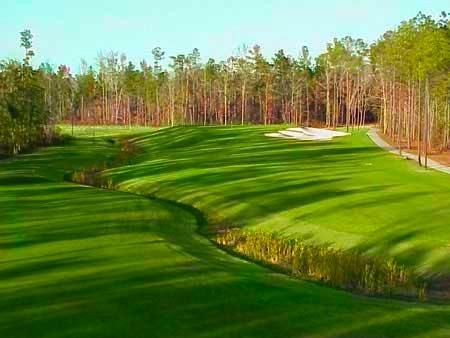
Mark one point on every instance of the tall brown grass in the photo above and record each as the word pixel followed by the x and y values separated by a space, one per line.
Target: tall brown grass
pixel 94 175
pixel 339 268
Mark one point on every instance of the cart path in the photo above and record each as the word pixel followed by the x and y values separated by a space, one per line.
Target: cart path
pixel 373 135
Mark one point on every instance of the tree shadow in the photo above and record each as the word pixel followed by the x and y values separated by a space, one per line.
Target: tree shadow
pixel 81 262
pixel 347 189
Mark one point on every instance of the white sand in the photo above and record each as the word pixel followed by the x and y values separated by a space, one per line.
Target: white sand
pixel 308 134
pixel 303 136
pixel 277 135
pixel 319 132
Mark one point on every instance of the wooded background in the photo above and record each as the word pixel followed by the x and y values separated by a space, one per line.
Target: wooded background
pixel 402 81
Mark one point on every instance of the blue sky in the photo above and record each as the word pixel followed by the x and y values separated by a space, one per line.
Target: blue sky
pixel 67 30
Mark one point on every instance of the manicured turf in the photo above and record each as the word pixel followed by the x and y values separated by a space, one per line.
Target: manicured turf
pixel 82 262
pixel 347 192
pixel 101 131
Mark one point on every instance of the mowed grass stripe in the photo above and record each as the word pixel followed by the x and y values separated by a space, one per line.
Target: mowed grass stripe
pixel 347 192
pixel 82 262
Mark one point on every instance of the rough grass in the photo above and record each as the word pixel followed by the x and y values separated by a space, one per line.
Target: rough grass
pixel 339 268
pixel 82 262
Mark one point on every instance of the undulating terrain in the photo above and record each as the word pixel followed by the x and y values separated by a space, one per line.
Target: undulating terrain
pixel 347 192
pixel 78 261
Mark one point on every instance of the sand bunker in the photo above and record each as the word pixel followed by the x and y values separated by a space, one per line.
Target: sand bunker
pixel 308 134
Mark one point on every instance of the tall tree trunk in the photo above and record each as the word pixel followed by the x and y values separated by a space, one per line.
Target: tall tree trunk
pixel 328 112
pixel 243 94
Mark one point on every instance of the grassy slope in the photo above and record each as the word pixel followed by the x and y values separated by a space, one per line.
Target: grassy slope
pixel 347 192
pixel 80 262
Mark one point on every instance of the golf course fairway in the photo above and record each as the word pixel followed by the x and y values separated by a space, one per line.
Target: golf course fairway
pixel 77 261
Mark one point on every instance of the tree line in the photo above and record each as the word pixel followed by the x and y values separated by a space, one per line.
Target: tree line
pixel 246 88
pixel 25 119
pixel 411 69
pixel 401 80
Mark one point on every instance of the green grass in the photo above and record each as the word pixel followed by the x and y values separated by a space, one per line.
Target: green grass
pixel 101 131
pixel 348 192
pixel 83 262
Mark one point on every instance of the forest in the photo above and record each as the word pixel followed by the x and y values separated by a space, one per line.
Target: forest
pixel 401 81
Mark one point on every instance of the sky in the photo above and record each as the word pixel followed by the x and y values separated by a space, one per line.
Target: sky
pixel 65 31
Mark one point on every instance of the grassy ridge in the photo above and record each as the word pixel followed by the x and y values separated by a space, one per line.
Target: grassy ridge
pixel 82 262
pixel 348 192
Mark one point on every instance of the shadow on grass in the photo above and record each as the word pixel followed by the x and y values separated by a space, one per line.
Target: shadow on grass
pixel 79 262
pixel 164 280
pixel 345 191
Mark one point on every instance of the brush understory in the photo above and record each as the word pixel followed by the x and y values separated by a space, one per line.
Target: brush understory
pixel 78 261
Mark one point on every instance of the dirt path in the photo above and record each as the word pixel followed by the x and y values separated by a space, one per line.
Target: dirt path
pixel 373 134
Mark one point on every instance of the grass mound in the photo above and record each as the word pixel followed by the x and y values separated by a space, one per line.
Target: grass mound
pixel 347 193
